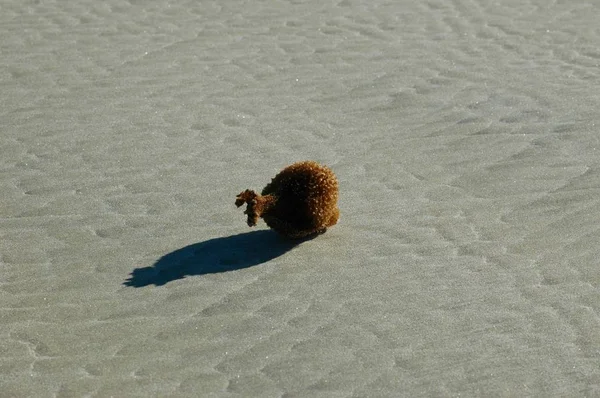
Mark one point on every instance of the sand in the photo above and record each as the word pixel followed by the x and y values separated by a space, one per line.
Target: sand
pixel 465 138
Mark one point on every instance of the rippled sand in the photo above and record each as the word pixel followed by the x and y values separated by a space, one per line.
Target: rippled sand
pixel 465 138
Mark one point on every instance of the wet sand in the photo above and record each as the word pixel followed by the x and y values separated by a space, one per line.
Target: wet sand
pixel 465 138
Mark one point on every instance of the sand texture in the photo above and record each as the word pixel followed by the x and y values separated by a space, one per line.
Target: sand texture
pixel 465 137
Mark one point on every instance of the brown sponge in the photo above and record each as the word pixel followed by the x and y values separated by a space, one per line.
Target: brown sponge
pixel 300 201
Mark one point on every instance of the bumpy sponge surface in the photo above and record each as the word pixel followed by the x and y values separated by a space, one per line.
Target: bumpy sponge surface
pixel 299 201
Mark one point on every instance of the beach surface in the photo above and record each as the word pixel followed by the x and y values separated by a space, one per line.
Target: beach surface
pixel 465 137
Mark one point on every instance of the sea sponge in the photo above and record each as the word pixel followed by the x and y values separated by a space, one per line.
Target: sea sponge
pixel 299 201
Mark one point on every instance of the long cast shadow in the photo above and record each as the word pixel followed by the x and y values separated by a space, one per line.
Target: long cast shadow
pixel 213 256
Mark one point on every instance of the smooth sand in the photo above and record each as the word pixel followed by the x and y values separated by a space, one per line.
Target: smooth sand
pixel 465 138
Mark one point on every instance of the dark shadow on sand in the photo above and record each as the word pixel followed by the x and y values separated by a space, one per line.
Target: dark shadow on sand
pixel 213 256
